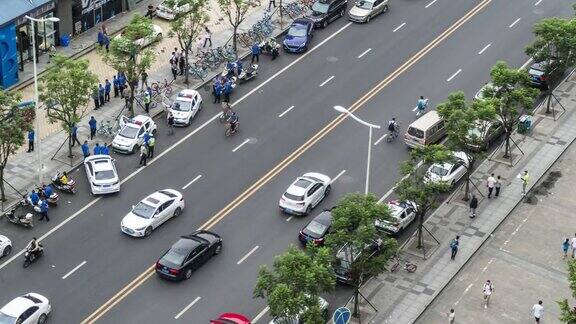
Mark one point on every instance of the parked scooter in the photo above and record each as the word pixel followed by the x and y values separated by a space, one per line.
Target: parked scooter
pixel 30 257
pixel 248 73
pixel 20 219
pixel 271 47
pixel 52 200
pixel 70 187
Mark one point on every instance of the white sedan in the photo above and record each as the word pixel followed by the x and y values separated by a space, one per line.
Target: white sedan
pixel 145 41
pixel 152 212
pixel 402 214
pixel 169 12
pixel 188 102
pixel 102 174
pixel 131 134
pixel 27 309
pixel 305 193
pixel 449 172
pixel 5 246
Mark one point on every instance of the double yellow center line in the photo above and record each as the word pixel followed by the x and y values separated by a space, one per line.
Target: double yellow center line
pixel 118 297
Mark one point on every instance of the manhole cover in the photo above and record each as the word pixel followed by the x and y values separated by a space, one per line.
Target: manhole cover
pixel 332 59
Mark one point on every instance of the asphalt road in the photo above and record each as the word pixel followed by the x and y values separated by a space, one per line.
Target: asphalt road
pixel 114 260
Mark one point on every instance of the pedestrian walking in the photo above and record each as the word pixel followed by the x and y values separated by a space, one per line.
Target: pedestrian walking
pixel 271 3
pixel 451 316
pixel 182 63
pixel 525 178
pixel 573 243
pixel 538 311
pixel 97 149
pixel 116 86
pixel 107 88
pixel 96 98
pixel 207 37
pixel 101 94
pixel 144 77
pixel 490 182
pixel 497 185
pixel 170 124
pixel 30 140
pixel 174 68
pixel 454 247
pixel 92 124
pixel 121 83
pixel 217 90
pixel 150 12
pixel 143 154
pixel 85 149
pixel 473 206
pixel 147 100
pixel 105 150
pixel 107 42
pixel 151 144
pixel 227 90
pixel 565 247
pixel 74 135
pixel 255 50
pixel 488 289
pixel 100 38
pixel 44 210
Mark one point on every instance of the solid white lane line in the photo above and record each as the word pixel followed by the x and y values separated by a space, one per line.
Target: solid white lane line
pixel 398 28
pixel 514 23
pixel 381 138
pixel 454 75
pixel 239 146
pixel 187 307
pixel 431 3
pixel 327 80
pixel 286 111
pixel 389 192
pixel 191 182
pixel 338 176
pixel 289 218
pixel 75 268
pixel 525 64
pixel 538 2
pixel 259 316
pixel 415 108
pixel 364 53
pixel 485 48
pixel 248 254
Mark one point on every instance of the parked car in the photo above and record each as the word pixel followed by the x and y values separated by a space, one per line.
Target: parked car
pixel 348 254
pixel 365 10
pixel 31 308
pixel 539 78
pixel 403 213
pixel 449 172
pixel 152 212
pixel 131 134
pixel 167 12
pixel 298 36
pixel 5 246
pixel 315 231
pixel 155 36
pixel 231 318
pixel 305 193
pixel 188 254
pixel 324 12
pixel 296 320
pixel 188 102
pixel 487 132
pixel 486 88
pixel 102 174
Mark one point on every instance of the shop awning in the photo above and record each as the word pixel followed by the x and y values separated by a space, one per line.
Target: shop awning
pixel 11 10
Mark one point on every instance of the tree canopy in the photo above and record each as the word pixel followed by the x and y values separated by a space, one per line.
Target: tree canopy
pixel 567 313
pixel 235 11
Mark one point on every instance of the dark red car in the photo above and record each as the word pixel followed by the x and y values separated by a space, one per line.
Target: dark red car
pixel 231 318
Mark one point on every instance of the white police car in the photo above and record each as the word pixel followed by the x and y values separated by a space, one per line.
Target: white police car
pixel 188 102
pixel 5 246
pixel 131 134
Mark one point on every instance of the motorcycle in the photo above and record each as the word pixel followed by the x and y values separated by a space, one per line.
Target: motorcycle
pixel 52 200
pixel 20 219
pixel 70 187
pixel 30 257
pixel 249 73
pixel 267 48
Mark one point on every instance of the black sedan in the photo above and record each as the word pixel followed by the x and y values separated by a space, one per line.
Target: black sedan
pixel 315 231
pixel 188 254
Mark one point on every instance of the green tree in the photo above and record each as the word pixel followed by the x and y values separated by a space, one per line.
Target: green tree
pixel 235 11
pixel 12 131
pixel 353 229
pixel 294 284
pixel 460 118
pixel 66 89
pixel 416 186
pixel 567 314
pixel 188 25
pixel 511 92
pixel 127 55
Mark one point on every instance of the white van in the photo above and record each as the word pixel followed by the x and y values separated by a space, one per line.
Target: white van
pixel 426 130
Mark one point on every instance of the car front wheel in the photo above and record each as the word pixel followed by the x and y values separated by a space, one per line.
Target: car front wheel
pixel 218 249
pixel 148 231
pixel 178 212
pixel 327 191
pixel 385 9
pixel 188 274
pixel 42 319
pixel 308 210
pixel 7 251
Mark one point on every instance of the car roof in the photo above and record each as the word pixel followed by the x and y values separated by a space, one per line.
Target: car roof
pixel 187 95
pixel 541 66
pixel 302 21
pixel 324 218
pixel 17 306
pixel 426 120
pixel 159 197
pixel 101 164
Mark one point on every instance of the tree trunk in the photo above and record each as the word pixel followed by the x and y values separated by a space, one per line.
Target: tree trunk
pixel 420 227
pixel 2 192
pixel 356 311
pixel 70 145
pixel 507 145
pixel 234 42
pixel 131 101
pixel 186 66
pixel 548 101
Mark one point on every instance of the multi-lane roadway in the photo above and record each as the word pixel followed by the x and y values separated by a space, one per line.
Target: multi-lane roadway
pixel 287 127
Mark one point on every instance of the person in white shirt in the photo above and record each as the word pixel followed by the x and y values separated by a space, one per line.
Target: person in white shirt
pixel 573 243
pixel 451 316
pixel 538 311
pixel 488 290
pixel 490 184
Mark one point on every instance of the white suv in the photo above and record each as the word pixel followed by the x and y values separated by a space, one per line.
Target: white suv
pixel 402 214
pixel 188 102
pixel 131 134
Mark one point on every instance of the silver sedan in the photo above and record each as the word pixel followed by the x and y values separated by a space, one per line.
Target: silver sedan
pixel 364 10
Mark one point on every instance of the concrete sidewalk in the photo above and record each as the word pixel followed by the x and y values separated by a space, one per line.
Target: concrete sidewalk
pixel 401 297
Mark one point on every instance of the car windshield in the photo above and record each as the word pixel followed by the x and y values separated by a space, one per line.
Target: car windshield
pixel 364 4
pixel 415 132
pixel 535 72
pixel 438 170
pixel 129 132
pixel 293 197
pixel 475 133
pixel 315 228
pixel 320 7
pixel 104 175
pixel 182 105
pixel 143 210
pixel 297 31
pixel 174 257
pixel 302 183
pixel 5 319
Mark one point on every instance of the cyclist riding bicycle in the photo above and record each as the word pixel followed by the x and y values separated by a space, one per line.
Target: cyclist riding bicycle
pixel 233 121
pixel 421 105
pixel 392 126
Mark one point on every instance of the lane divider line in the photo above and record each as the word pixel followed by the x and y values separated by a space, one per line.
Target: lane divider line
pixel 514 23
pixel 242 144
pixel 191 182
pixel 338 176
pixel 125 291
pixel 454 75
pixel 187 307
pixel 327 80
pixel 286 111
pixel 73 270
pixel 364 53
pixel 485 48
pixel 248 254
pixel 289 218
pixel 431 3
pixel 381 138
pixel 262 313
pixel 398 28
pixel 538 2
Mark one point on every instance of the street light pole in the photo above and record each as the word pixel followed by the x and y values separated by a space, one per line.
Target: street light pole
pixel 38 145
pixel 370 127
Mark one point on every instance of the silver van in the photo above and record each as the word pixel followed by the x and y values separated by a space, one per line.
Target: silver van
pixel 426 130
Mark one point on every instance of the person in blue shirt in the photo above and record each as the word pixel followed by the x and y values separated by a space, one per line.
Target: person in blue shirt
pixel 74 135
pixel 47 190
pixel 30 140
pixel 92 124
pixel 97 149
pixel 44 210
pixel 116 85
pixel 101 94
pixel 121 83
pixel 105 149
pixel 255 53
pixel 107 42
pixel 100 38
pixel 227 90
pixel 107 88
pixel 421 105
pixel 85 149
pixel 34 197
pixel 146 138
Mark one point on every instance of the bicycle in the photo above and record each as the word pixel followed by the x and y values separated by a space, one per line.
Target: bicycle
pixel 408 266
pixel 107 129
pixel 162 87
pixel 392 135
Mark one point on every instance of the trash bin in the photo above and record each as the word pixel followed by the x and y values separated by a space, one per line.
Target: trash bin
pixel 64 40
pixel 524 124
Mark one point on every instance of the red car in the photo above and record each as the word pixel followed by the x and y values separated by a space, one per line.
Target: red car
pixel 231 318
